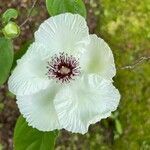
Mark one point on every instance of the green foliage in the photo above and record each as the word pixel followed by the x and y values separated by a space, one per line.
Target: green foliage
pixel 11 30
pixel 9 14
pixel 56 7
pixel 6 59
pixel 26 137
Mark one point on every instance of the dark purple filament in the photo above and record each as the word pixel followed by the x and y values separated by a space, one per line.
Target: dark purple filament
pixel 63 67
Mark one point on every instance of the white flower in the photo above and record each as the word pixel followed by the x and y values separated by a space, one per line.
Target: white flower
pixel 65 78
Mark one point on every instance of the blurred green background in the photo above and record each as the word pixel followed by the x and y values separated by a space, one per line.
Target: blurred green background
pixel 125 26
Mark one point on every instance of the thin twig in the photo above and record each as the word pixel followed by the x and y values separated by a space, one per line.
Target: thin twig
pixel 30 12
pixel 137 62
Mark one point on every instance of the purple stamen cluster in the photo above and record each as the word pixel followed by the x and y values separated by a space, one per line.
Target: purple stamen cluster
pixel 63 67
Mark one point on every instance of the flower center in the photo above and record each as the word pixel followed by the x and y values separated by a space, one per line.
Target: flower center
pixel 63 68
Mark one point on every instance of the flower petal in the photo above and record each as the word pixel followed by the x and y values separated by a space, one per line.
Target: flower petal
pixel 38 109
pixel 98 58
pixel 88 101
pixel 65 32
pixel 29 75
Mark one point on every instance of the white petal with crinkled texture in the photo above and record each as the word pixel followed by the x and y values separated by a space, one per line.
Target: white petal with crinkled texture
pixel 38 109
pixel 85 102
pixel 98 58
pixel 29 76
pixel 65 32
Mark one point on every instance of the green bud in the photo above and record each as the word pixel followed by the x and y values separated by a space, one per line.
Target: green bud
pixel 11 30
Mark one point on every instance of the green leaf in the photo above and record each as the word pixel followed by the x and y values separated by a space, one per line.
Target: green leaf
pixel 9 14
pixel 6 59
pixel 27 138
pixel 56 7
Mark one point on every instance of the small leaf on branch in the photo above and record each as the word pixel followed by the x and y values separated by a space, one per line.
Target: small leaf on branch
pixel 56 7
pixel 118 127
pixel 6 59
pixel 26 137
pixel 9 14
